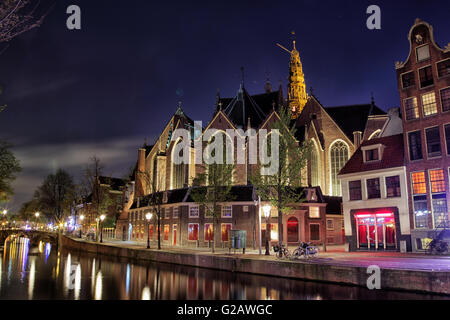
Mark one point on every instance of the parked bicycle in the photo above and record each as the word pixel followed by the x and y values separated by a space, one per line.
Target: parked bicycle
pixel 306 250
pixel 284 251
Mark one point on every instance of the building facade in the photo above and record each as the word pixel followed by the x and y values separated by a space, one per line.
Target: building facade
pixel 375 197
pixel 424 89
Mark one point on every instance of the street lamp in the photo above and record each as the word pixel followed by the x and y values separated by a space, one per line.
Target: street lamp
pixel 148 216
pixel 81 223
pixel 266 209
pixel 102 217
pixel 37 216
pixel 4 212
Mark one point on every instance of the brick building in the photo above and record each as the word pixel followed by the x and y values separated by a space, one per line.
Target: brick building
pixel 335 132
pixel 110 187
pixel 424 88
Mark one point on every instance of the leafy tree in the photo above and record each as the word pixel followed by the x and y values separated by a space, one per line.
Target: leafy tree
pixel 211 188
pixel 9 167
pixel 56 195
pixel 28 209
pixel 281 189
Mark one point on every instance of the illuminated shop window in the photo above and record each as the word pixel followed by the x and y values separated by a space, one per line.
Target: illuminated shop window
pixel 166 232
pixel 209 233
pixel 225 228
pixel 193 231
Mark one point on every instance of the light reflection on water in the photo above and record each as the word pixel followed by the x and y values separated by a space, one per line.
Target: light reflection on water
pixel 34 273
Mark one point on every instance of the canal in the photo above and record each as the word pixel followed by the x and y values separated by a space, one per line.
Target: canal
pixel 43 272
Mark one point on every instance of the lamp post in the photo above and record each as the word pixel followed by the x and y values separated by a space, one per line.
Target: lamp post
pixel 4 212
pixel 37 217
pixel 266 209
pixel 148 216
pixel 102 217
pixel 81 223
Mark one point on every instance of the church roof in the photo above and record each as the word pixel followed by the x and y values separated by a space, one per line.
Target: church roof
pixel 354 117
pixel 244 106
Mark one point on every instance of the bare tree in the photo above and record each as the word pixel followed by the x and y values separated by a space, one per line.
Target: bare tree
pixel 19 16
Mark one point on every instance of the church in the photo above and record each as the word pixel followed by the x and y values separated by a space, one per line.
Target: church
pixel 335 132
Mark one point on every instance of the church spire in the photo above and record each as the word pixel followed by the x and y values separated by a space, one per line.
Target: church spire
pixel 297 96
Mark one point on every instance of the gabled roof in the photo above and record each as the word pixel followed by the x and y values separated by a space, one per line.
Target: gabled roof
pixel 354 117
pixel 392 156
pixel 244 106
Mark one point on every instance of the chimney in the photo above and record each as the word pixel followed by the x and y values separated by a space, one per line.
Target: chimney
pixel 357 135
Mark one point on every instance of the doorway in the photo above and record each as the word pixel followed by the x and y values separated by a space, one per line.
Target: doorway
pixel 174 229
pixel 376 231
pixel 292 229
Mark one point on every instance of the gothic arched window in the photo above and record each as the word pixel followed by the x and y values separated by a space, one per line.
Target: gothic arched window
pixel 314 165
pixel 338 157
pixel 179 171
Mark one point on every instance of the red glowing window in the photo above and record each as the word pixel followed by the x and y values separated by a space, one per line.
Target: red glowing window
pixel 193 231
pixel 226 227
pixel 166 232
pixel 209 233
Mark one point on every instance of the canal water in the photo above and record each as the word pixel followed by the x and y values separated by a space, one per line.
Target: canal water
pixel 43 272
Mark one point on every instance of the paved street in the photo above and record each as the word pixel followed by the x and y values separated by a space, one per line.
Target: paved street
pixel 334 256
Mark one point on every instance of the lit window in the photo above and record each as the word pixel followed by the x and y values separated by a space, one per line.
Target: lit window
pixel 355 190
pixel 408 79
pixel 419 184
pixel 274 231
pixel 443 68
pixel 314 167
pixel 437 180
pixel 373 188
pixel 314 212
pixel 175 212
pixel 209 232
pixel 426 77
pixel 166 232
pixel 339 157
pixel 226 227
pixel 420 211
pixel 429 104
pixel 150 230
pixel 440 213
pixel 227 211
pixel 415 145
pixel 393 186
pixel 193 212
pixel 193 231
pixel 411 109
pixel 423 53
pixel 445 99
pixel 245 208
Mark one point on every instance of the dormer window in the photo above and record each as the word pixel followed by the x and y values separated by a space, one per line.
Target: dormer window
pixel 423 53
pixel 372 155
pixel 372 152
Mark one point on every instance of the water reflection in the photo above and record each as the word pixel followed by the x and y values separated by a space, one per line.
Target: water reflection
pixel 33 273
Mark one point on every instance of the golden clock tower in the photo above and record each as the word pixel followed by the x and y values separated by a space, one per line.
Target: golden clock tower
pixel 297 96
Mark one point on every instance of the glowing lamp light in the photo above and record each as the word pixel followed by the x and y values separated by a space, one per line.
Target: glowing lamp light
pixel 266 210
pixel 148 216
pixel 36 214
pixel 5 212
pixel 102 217
pixel 81 217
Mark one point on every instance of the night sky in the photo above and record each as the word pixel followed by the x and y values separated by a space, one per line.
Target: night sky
pixel 103 89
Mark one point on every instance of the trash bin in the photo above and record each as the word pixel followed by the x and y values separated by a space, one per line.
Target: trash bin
pixel 237 239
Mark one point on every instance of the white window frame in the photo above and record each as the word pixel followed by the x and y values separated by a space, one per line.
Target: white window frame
pixel 423 105
pixel 175 209
pixel 223 210
pixel 190 212
pixel 310 211
pixel 417 55
pixel 332 224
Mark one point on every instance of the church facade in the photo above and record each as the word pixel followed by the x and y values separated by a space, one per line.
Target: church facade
pixel 334 132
